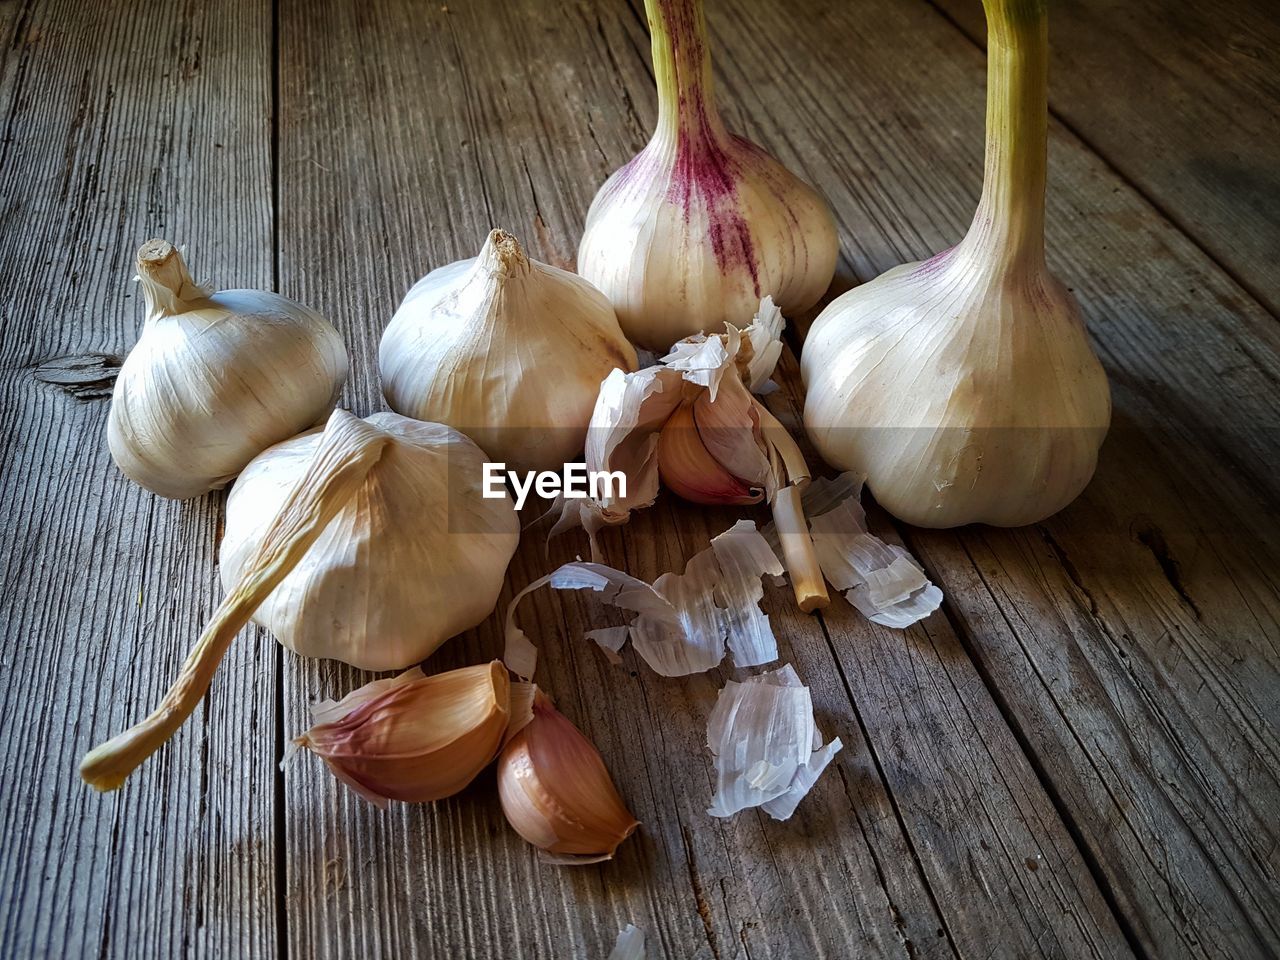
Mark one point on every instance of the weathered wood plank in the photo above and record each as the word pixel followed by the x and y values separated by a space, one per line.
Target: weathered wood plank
pixel 395 162
pixel 122 120
pixel 1184 100
pixel 1133 639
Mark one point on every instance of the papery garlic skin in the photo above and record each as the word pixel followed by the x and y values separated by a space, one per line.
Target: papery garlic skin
pixel 701 224
pixel 417 556
pixel 215 379
pixel 414 738
pixel 509 350
pixel 964 387
pixel 556 792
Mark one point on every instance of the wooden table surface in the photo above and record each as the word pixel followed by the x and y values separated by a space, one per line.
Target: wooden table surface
pixel 1078 756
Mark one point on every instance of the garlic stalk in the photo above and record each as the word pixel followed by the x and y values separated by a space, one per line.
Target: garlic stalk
pixel 415 557
pixel 964 388
pixel 701 224
pixel 349 506
pixel 215 379
pixel 508 350
pixel 556 791
pixel 414 738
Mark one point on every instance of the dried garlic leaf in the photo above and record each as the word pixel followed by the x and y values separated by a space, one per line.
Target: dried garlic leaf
pixel 623 432
pixel 744 557
pixel 611 640
pixel 703 360
pixel 696 641
pixel 880 579
pixel 764 334
pixel 685 619
pixel 765 741
pixel 781 808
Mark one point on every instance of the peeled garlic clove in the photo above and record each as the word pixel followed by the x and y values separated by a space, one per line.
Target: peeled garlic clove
pixel 701 224
pixel 556 792
pixel 215 379
pixel 965 388
pixel 416 738
pixel 508 350
pixel 416 556
pixel 690 471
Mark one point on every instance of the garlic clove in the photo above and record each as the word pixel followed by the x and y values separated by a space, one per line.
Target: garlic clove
pixel 691 472
pixel 715 443
pixel 473 342
pixel 215 379
pixel 556 792
pixel 731 430
pixel 418 738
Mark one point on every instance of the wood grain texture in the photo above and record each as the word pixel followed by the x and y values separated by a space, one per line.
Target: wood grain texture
pixel 1078 758
pixel 1183 99
pixel 449 141
pixel 1132 640
pixel 122 121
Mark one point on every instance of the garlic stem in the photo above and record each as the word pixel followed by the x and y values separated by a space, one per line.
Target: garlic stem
pixel 797 550
pixel 166 282
pixel 347 452
pixel 502 255
pixel 1008 227
pixel 682 69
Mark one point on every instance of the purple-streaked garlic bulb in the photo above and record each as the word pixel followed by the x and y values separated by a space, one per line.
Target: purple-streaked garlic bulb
pixel 701 224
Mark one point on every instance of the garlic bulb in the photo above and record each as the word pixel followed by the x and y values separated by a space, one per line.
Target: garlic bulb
pixel 692 422
pixel 414 738
pixel 556 792
pixel 964 387
pixel 352 482
pixel 508 350
pixel 701 224
pixel 215 379
pixel 415 557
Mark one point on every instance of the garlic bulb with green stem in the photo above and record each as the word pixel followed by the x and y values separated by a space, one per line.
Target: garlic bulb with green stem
pixel 701 224
pixel 964 387
pixel 215 379
pixel 508 350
